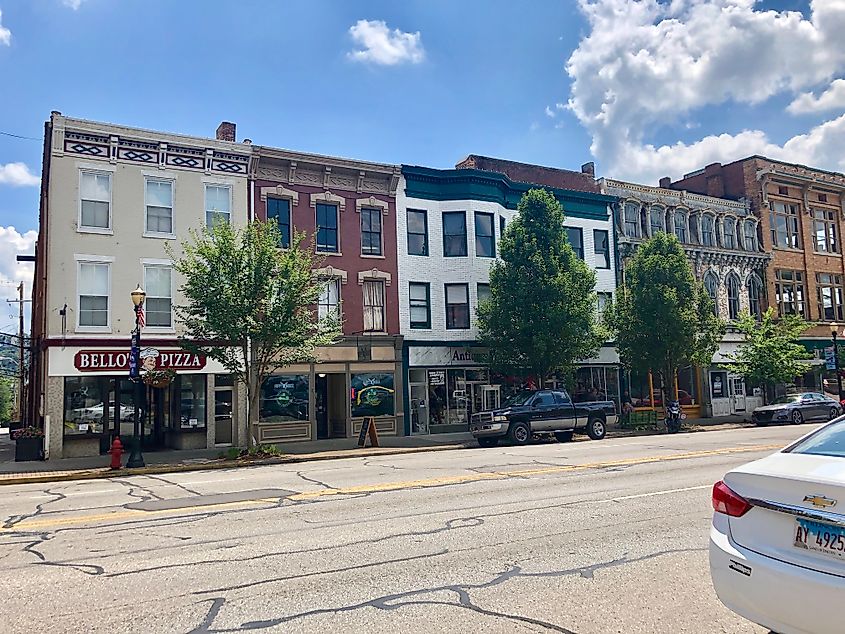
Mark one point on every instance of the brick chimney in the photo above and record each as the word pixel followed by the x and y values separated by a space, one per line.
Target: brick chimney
pixel 665 182
pixel 226 131
pixel 589 169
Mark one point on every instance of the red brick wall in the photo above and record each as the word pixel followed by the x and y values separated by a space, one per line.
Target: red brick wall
pixel 537 174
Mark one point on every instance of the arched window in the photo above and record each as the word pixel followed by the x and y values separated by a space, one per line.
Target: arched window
pixel 755 294
pixel 708 238
pixel 632 220
pixel 733 296
pixel 711 285
pixel 729 233
pixel 750 235
pixel 681 226
pixel 657 219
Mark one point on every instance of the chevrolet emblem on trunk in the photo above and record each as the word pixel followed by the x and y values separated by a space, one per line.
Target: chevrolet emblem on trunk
pixel 820 501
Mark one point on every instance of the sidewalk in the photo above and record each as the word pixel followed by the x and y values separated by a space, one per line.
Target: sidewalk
pixel 95 467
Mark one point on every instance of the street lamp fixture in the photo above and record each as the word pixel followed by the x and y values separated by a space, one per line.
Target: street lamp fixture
pixel 135 458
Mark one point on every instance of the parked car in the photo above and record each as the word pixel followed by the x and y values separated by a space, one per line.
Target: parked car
pixel 533 412
pixel 797 408
pixel 777 544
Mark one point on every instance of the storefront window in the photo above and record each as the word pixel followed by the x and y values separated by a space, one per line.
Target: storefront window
pixel 687 386
pixel 437 397
pixel 639 390
pixel 84 397
pixel 372 395
pixel 284 398
pixel 596 383
pixel 458 397
pixel 191 397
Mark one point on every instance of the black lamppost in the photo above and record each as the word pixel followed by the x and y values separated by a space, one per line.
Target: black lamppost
pixel 135 457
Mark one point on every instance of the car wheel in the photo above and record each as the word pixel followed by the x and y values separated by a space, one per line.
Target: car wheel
pixel 488 442
pixel 761 423
pixel 797 417
pixel 833 413
pixel 563 436
pixel 596 429
pixel 519 434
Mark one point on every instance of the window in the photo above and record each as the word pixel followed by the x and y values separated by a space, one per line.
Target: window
pixel 284 398
pixel 420 301
pixel 502 226
pixel 457 306
pixel 93 287
pixel 372 395
pixel 707 231
pixel 84 397
pixel 681 226
pixel 657 219
pixel 755 296
pixel 601 246
pixel 750 236
pixel 783 219
pixel 729 233
pixel 327 228
pixel 783 191
pixel 711 285
pixel 190 389
pixel 485 235
pixel 370 231
pixel 95 200
pixel 603 300
pixel 632 220
pixel 483 292
pixel 822 198
pixel 278 209
pixel 374 306
pixel 789 291
pixel 829 290
pixel 694 221
pixel 454 234
pixel 824 231
pixel 576 240
pixel 733 296
pixel 329 302
pixel 218 204
pixel 417 232
pixel 158 217
pixel 157 306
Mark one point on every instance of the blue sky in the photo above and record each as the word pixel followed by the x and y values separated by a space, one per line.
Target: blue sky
pixel 644 88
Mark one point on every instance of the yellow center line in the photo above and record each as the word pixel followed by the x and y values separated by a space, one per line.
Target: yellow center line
pixel 384 487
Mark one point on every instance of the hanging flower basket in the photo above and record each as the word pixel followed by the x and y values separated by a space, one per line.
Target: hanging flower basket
pixel 159 378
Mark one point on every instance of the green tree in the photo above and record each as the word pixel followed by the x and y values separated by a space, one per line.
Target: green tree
pixel 6 400
pixel 770 353
pixel 243 291
pixel 662 316
pixel 541 315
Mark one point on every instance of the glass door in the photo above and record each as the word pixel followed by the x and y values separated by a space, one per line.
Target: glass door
pixel 419 408
pixel 738 393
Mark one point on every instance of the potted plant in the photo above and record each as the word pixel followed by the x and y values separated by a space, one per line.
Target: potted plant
pixel 29 444
pixel 159 378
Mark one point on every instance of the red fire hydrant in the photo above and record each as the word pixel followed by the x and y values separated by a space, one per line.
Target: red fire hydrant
pixel 116 452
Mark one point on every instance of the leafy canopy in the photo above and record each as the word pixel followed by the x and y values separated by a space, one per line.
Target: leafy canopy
pixel 662 315
pixel 6 398
pixel 541 315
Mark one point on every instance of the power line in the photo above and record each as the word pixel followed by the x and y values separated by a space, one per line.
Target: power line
pixel 18 136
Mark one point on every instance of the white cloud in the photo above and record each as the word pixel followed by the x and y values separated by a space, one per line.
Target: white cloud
pixel 5 34
pixel 550 113
pixel 645 63
pixel 12 273
pixel 17 175
pixel 73 4
pixel 379 45
pixel 831 99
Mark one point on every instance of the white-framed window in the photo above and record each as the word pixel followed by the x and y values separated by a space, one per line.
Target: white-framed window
pixel 329 302
pixel 158 307
pixel 158 204
pixel 603 300
pixel 374 306
pixel 94 200
pixel 93 281
pixel 218 204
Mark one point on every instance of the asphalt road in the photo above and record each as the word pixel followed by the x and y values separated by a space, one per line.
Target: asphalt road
pixel 584 537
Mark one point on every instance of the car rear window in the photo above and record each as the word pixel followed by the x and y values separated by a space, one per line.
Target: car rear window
pixel 827 441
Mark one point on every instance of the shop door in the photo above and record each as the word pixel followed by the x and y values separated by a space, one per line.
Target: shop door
pixel 156 415
pixel 223 416
pixel 321 394
pixel 419 408
pixel 738 393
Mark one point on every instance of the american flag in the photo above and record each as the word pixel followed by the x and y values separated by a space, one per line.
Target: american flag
pixel 139 311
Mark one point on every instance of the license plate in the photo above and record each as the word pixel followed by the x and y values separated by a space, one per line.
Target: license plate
pixel 820 537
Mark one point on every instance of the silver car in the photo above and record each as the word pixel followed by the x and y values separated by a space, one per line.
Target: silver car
pixel 797 408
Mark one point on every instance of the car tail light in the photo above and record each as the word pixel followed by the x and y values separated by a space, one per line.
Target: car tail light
pixel 727 502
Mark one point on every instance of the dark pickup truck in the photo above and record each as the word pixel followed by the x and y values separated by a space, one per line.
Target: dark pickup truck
pixel 542 412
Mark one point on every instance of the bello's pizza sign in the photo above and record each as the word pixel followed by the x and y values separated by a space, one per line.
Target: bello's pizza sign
pixel 111 360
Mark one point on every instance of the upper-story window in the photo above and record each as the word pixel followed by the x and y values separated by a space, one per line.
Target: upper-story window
pixel 158 282
pixel 824 231
pixel 371 231
pixel 601 247
pixel 420 304
pixel 374 306
pixel 502 225
pixel 482 291
pixel 829 289
pixel 632 220
pixel 328 304
pixel 657 220
pixel 454 234
pixel 750 231
pixel 93 282
pixel 603 300
pixel 733 296
pixel 327 241
pixel 457 306
pixel 576 240
pixel 218 204
pixel 789 291
pixel 708 231
pixel 694 236
pixel 783 218
pixel 95 200
pixel 711 285
pixel 158 217
pixel 485 235
pixel 278 209
pixel 681 226
pixel 729 233
pixel 755 297
pixel 417 232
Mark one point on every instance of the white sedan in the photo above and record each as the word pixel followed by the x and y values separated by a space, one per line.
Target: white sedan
pixel 777 546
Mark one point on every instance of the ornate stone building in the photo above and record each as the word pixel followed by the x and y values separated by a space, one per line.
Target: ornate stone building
pixel 721 239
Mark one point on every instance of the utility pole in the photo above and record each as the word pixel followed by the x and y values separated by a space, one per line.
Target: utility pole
pixel 21 368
